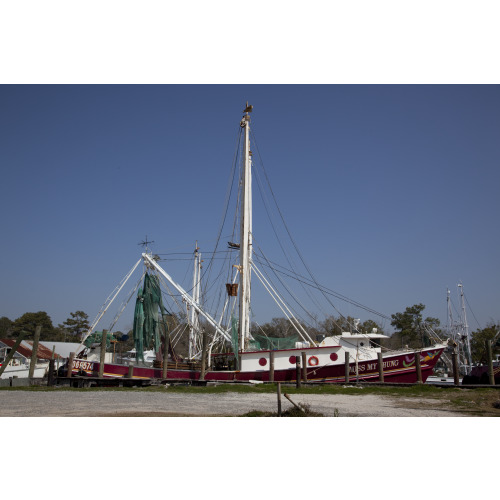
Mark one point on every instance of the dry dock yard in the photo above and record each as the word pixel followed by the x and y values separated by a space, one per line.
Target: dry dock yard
pixel 244 400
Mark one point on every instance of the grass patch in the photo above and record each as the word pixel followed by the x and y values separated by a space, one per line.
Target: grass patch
pixel 476 402
pixel 410 391
pixel 292 412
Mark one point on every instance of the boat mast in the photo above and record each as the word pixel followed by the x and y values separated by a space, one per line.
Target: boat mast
pixel 245 236
pixel 465 328
pixel 194 327
pixel 451 326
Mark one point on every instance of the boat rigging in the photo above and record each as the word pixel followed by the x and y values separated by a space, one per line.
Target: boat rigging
pixel 230 338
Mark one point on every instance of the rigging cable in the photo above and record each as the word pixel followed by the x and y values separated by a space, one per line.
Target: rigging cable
pixel 324 289
pixel 287 257
pixel 289 234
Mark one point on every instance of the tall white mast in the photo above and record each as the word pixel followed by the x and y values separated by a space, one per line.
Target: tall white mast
pixel 245 236
pixel 194 326
pixel 465 327
pixel 450 323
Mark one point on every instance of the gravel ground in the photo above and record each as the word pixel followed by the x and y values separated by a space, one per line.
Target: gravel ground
pixel 131 403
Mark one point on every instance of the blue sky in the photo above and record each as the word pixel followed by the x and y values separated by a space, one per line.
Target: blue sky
pixel 390 191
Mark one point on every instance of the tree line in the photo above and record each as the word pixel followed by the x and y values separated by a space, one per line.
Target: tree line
pixel 70 330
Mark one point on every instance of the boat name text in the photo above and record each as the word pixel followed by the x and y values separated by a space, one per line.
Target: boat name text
pixel 370 367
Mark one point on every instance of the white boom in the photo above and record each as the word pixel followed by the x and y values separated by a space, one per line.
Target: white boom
pixel 151 262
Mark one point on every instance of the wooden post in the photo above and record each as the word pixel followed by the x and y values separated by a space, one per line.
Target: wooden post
pixel 50 377
pixel 346 372
pixel 130 371
pixel 34 352
pixel 203 355
pixel 166 344
pixel 304 367
pixel 380 367
pixel 165 356
pixel 297 372
pixel 279 399
pixel 418 367
pixel 271 366
pixel 454 359
pixel 103 353
pixel 12 351
pixel 489 354
pixel 56 363
pixel 70 364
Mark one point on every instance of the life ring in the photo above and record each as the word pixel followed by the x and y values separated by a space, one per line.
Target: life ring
pixel 313 361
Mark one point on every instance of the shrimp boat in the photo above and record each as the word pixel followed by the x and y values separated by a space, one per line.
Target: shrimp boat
pixel 227 346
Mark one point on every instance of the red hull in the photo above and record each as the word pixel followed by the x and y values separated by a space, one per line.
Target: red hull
pixel 399 368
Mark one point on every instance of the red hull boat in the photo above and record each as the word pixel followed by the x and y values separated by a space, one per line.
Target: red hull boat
pixel 398 368
pixel 324 358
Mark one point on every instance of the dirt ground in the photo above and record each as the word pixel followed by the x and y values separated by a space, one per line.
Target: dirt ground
pixel 138 403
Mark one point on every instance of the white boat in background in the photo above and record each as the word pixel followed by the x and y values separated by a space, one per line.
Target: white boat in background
pixel 19 365
pixel 18 368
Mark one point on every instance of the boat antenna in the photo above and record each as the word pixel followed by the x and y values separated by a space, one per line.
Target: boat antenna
pixel 145 244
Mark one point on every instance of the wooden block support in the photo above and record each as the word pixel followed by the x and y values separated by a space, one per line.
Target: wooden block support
pixel 34 352
pixel 380 367
pixel 103 353
pixel 346 368
pixel 271 366
pixel 489 354
pixel 418 367
pixel 70 364
pixel 304 367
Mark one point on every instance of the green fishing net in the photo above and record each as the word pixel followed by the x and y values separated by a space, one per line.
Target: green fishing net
pixel 264 343
pixel 148 316
pixel 96 338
